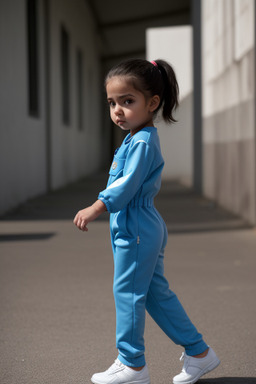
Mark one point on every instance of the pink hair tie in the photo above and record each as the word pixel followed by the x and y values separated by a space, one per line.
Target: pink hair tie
pixel 154 63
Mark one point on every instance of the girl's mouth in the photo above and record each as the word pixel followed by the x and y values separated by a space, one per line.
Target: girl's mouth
pixel 120 121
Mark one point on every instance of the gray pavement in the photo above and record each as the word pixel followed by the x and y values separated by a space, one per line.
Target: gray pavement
pixel 57 318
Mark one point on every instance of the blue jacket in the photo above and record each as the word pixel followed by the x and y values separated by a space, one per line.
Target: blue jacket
pixel 135 173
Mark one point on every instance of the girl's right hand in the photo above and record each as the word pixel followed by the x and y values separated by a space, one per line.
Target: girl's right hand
pixel 89 214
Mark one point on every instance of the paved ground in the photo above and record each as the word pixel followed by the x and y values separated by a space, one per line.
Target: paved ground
pixel 57 320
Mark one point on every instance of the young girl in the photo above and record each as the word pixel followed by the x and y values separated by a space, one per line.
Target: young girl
pixel 136 91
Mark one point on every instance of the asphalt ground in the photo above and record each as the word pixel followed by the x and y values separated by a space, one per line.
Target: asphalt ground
pixel 57 316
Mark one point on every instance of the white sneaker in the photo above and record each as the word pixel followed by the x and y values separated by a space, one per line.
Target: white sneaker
pixel 119 373
pixel 194 368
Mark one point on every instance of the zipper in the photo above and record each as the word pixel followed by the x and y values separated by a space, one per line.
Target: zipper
pixel 138 239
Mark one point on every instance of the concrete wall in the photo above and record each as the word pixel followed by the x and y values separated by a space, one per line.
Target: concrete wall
pixel 22 138
pixel 41 152
pixel 228 105
pixel 75 152
pixel 176 139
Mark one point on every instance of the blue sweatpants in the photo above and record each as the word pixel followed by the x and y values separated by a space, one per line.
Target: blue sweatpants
pixel 139 236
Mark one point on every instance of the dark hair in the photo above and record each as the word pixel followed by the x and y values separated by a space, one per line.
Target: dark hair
pixel 151 79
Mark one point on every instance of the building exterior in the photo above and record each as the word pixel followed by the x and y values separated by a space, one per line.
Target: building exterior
pixel 50 111
pixel 229 139
pixel 176 139
pixel 54 128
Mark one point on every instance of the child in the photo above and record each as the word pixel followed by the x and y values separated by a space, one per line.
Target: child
pixel 136 91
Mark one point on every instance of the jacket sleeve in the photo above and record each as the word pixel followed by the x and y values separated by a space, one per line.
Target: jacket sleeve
pixel 136 169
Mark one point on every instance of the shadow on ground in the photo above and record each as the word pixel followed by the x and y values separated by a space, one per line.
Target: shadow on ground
pixel 186 211
pixel 25 236
pixel 229 380
pixel 183 210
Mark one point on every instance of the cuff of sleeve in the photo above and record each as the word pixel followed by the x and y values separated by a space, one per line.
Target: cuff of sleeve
pixel 105 202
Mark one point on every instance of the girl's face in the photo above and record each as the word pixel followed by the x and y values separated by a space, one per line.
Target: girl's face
pixel 129 108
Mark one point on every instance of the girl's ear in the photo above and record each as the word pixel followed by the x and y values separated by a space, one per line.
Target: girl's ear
pixel 154 103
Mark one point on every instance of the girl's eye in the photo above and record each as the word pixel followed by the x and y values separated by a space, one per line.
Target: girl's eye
pixel 111 104
pixel 128 101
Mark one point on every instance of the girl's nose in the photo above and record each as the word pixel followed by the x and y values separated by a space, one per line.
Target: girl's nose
pixel 118 109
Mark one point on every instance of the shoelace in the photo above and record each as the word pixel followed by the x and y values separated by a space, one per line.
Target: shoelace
pixel 183 355
pixel 115 366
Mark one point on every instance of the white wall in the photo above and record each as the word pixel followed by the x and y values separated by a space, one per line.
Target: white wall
pixel 229 104
pixel 174 44
pixel 74 153
pixel 22 138
pixel 23 146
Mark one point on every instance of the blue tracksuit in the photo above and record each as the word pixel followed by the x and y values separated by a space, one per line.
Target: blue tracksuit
pixel 139 236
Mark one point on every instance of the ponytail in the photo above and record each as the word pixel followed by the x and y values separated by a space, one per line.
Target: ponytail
pixel 151 78
pixel 170 97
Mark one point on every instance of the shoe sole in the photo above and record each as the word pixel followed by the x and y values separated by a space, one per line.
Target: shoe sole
pixel 208 369
pixel 127 382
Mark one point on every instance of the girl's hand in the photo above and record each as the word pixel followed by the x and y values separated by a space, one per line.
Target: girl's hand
pixel 88 214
